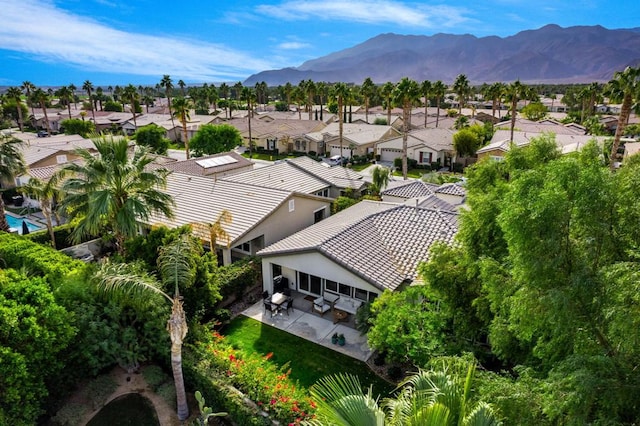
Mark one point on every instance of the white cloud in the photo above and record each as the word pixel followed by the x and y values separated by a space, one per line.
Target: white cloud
pixel 417 15
pixel 49 34
pixel 293 45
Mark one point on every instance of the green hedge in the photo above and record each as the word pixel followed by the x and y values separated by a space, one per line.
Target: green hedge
pixel 239 276
pixel 62 235
pixel 18 252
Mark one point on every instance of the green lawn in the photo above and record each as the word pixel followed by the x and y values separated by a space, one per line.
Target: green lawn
pixel 412 173
pixel 308 361
pixel 267 157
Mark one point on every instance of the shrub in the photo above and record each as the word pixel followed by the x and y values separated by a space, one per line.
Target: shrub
pixel 62 235
pixel 70 415
pixel 238 276
pixel 154 376
pixel 411 163
pixel 112 106
pixel 99 389
pixel 380 121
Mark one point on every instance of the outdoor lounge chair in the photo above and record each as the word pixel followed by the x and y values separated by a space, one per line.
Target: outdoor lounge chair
pixel 320 306
pixel 268 306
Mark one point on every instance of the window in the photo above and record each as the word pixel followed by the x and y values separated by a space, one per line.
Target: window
pixel 245 247
pixel 292 205
pixel 275 270
pixel 331 286
pixel 318 215
pixel 344 289
pixel 309 283
pixel 61 159
pixel 303 281
pixel 323 193
pixel 360 294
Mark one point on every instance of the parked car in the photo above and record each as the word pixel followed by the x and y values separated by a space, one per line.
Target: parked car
pixel 43 134
pixel 336 160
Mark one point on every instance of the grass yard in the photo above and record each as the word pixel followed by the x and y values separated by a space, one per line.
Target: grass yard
pixel 308 361
pixel 412 173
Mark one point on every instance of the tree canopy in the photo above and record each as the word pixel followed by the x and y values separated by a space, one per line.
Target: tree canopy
pixel 215 138
pixel 153 137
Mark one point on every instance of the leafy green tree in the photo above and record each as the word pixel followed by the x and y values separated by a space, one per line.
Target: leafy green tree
pixel 176 268
pixel 113 106
pixel 215 138
pixel 535 111
pixel 113 191
pixel 76 126
pixel 34 332
pixel 466 142
pixel 11 166
pixel 153 137
pixel 380 179
pixel 408 325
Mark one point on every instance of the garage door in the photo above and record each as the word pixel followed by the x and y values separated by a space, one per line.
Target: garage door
pixel 389 154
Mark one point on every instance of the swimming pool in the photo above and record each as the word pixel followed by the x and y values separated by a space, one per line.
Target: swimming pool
pixel 16 222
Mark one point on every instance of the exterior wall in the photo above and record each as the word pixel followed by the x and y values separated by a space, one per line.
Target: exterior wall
pixel 392 199
pixel 53 160
pixel 282 223
pixel 312 263
pixel 493 153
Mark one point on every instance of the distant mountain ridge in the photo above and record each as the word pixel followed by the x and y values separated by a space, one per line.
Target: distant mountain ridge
pixel 550 54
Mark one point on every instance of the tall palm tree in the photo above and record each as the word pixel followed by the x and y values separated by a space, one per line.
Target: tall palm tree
pixel 288 90
pixel 310 90
pixel 215 231
pixel 434 398
pixel 175 266
pixel 405 94
pixel 249 97
pixel 299 98
pixel 439 90
pixel 66 94
pixel 462 89
pixel 16 94
pixel 322 92
pixel 237 91
pixel 426 88
pixel 224 94
pixel 73 88
pixel 387 93
pixel 167 83
pixel 11 165
pixel 513 93
pixel 340 92
pixel 28 87
pixel 42 98
pixel 625 87
pixel 181 109
pixel 130 95
pixel 45 193
pixel 88 87
pixel 182 85
pixel 368 91
pixel 113 190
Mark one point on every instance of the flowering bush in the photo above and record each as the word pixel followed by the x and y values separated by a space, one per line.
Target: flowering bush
pixel 268 385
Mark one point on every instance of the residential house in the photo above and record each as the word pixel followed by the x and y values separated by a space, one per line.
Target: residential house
pixel 284 135
pixel 359 252
pixel 304 175
pixel 426 146
pixel 260 216
pixel 357 139
pixel 214 166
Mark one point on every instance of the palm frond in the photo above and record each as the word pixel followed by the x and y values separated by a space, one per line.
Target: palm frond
pixel 175 261
pixel 120 282
pixel 482 415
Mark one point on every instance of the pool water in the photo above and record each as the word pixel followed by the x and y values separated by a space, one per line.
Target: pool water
pixel 16 222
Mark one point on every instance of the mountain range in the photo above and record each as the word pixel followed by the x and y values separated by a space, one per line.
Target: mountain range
pixel 550 54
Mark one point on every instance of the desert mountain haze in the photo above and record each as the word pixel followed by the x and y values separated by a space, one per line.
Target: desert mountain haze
pixel 551 54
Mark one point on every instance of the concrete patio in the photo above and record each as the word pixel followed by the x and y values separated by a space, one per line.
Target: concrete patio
pixel 311 326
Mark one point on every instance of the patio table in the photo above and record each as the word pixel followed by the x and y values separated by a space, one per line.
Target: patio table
pixel 278 299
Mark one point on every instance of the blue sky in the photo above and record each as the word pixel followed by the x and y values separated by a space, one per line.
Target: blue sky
pixel 57 42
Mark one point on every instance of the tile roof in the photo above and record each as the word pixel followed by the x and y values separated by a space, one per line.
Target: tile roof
pixel 201 199
pixel 452 189
pixel 501 140
pixel 382 243
pixel 433 202
pixel 340 177
pixel 358 133
pixel 412 189
pixel 281 176
pixel 194 166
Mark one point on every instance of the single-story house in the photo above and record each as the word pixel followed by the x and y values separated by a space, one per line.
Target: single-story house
pixel 357 139
pixel 260 216
pixel 214 166
pixel 304 175
pixel 359 252
pixel 285 135
pixel 426 146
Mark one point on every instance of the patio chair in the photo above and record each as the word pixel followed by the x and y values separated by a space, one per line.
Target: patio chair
pixel 268 306
pixel 286 291
pixel 287 305
pixel 265 295
pixel 320 306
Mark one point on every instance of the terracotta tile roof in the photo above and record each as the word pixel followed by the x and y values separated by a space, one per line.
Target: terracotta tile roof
pixel 199 166
pixel 412 189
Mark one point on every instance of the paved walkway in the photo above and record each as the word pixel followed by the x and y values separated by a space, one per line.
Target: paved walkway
pixel 311 326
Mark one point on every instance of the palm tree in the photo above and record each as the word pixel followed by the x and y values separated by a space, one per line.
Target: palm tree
pixel 439 89
pixel 181 108
pixel 426 87
pixel 45 193
pixel 625 87
pixel 73 88
pixel 28 87
pixel 42 98
pixel 380 179
pixel 387 93
pixel 66 94
pixel 224 94
pixel 288 90
pixel 249 96
pixel 434 398
pixel 11 165
pixel 310 91
pixel 130 94
pixel 405 94
pixel 112 190
pixel 168 88
pixel 368 91
pixel 16 94
pixel 182 85
pixel 322 91
pixel 175 265
pixel 340 92
pixel 299 98
pixel 215 231
pixel 88 87
pixel 462 89
pixel 513 93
